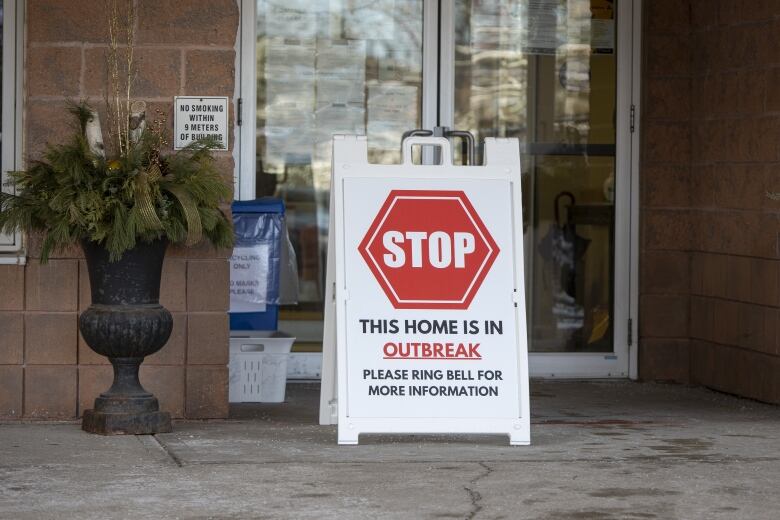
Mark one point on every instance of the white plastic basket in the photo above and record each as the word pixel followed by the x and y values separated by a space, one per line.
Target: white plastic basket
pixel 258 366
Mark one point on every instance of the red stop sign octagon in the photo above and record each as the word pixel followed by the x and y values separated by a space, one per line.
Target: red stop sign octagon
pixel 428 249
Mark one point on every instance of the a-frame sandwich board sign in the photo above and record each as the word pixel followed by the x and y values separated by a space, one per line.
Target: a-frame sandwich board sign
pixel 425 323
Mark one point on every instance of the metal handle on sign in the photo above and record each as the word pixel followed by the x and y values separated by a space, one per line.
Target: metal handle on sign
pixel 443 143
pixel 468 137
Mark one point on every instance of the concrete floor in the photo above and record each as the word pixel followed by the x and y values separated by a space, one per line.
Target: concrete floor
pixel 601 450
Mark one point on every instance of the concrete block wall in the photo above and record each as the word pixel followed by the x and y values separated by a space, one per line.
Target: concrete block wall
pixel 710 299
pixel 665 217
pixel 46 370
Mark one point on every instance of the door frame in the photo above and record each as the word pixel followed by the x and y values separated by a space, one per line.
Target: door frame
pixel 622 362
pixel 633 263
pixel 12 83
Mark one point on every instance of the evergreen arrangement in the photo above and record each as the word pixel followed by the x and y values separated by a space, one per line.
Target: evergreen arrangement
pixel 75 193
pixel 124 192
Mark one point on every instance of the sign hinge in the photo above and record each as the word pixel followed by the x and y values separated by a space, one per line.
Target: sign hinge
pixel 632 118
pixel 630 332
pixel 239 120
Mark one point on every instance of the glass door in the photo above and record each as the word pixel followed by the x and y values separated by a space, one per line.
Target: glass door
pixel 546 72
pixel 550 72
pixel 327 67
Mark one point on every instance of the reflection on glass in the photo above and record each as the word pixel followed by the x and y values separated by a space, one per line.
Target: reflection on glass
pixel 329 67
pixel 544 71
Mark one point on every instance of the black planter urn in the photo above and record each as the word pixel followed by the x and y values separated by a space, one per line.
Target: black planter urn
pixel 126 323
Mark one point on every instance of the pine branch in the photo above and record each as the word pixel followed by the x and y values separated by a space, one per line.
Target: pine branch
pixel 72 194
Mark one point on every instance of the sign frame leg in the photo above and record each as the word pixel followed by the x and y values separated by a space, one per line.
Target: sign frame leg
pixel 329 383
pixel 347 436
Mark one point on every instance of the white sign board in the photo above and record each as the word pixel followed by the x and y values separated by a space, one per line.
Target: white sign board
pixel 429 294
pixel 198 118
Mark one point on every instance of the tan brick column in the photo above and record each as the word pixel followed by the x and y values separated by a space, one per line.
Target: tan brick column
pixel 710 295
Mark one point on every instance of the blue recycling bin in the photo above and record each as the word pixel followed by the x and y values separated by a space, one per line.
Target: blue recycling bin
pixel 259 227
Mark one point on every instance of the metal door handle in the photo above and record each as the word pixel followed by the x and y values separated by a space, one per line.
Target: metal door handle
pixel 468 137
pixel 415 132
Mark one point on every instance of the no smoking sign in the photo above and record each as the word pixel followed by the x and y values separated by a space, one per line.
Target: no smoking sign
pixel 428 249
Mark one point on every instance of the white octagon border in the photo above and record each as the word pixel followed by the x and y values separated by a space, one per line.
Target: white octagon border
pixel 477 274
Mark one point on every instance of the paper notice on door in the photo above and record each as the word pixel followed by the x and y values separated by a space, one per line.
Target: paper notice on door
pixel 602 36
pixel 340 91
pixel 403 65
pixel 392 110
pixel 542 26
pixel 289 73
pixel 249 278
pixel 289 134
pixel 291 18
pixel 344 58
pixel 292 60
pixel 338 119
pixel 289 102
pixel 369 19
pixel 341 72
pixel 498 25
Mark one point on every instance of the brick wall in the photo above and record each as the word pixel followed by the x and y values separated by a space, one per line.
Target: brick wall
pixel 710 236
pixel 665 217
pixel 46 370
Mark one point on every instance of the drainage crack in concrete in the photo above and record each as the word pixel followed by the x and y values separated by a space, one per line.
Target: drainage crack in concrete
pixel 474 495
pixel 168 452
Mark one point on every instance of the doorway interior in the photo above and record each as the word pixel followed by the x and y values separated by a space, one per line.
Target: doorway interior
pixel 559 75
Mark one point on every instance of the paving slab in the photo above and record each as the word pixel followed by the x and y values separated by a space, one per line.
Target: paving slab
pixel 600 450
